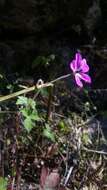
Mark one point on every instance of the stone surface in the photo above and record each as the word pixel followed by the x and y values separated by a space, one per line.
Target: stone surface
pixel 31 28
pixel 33 16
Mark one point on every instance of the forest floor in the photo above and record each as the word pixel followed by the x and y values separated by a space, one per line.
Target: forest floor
pixel 52 141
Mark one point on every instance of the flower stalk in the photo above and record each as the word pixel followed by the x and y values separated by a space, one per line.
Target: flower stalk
pixel 30 89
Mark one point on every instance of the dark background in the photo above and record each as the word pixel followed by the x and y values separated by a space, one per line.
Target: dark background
pixel 32 28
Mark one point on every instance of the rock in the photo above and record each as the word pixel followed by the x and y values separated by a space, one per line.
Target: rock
pixel 30 16
pixel 92 20
pixel 103 6
pixel 30 28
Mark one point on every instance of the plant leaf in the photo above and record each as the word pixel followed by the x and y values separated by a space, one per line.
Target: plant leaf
pixel 35 116
pixel 28 124
pixel 22 100
pixel 48 133
pixel 3 183
pixel 24 111
pixel 31 103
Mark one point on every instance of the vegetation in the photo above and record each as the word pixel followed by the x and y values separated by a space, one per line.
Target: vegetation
pixel 46 142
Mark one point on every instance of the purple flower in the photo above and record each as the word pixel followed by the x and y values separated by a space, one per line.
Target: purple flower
pixel 80 67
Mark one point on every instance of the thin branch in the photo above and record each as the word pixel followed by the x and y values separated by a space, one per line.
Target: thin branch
pixel 68 175
pixel 94 151
pixel 60 78
pixel 7 97
pixel 30 89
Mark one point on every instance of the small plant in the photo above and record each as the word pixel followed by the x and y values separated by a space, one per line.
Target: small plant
pixel 28 107
pixel 43 61
pixel 47 132
pixel 61 139
pixel 29 112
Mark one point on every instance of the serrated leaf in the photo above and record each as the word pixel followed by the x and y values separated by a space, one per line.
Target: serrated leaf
pixel 22 100
pixel 24 111
pixel 35 116
pixel 48 133
pixel 28 124
pixel 31 103
pixel 3 183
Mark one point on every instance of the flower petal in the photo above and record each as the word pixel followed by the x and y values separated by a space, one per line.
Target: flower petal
pixel 73 66
pixel 78 59
pixel 85 77
pixel 78 80
pixel 84 66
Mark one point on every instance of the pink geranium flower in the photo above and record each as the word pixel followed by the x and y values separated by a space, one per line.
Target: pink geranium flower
pixel 80 67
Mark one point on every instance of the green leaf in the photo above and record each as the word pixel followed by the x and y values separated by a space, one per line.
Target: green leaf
pixel 40 60
pixel 62 125
pixel 9 86
pixel 3 183
pixel 31 103
pixel 26 102
pixel 22 100
pixel 35 116
pixel 24 111
pixel 48 133
pixel 28 124
pixel 28 111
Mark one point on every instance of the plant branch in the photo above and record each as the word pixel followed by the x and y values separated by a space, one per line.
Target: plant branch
pixel 30 89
